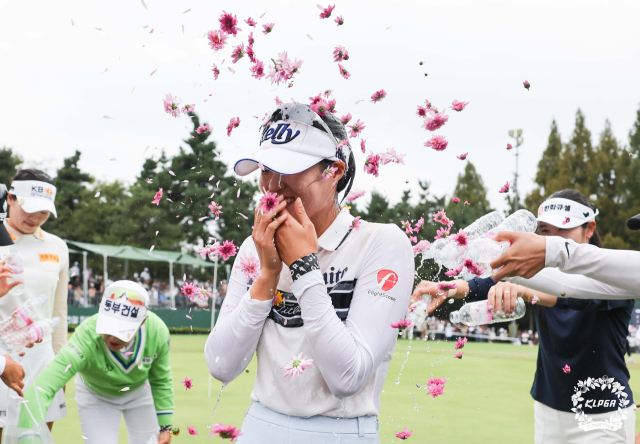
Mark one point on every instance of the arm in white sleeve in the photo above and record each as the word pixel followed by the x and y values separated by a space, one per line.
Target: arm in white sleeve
pixel 3 363
pixel 347 354
pixel 233 341
pixel 620 268
pixel 60 333
pixel 554 282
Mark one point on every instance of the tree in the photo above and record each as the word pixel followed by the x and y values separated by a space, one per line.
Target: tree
pixel 548 170
pixel 469 187
pixel 578 166
pixel 378 210
pixel 9 162
pixel 71 184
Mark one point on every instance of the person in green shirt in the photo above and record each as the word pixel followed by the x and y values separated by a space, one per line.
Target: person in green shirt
pixel 121 359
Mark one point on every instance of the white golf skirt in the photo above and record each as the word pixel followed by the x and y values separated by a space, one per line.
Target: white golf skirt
pixel 33 362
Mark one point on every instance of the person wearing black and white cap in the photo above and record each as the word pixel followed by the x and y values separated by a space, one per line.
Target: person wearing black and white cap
pixel 45 261
pixel 342 284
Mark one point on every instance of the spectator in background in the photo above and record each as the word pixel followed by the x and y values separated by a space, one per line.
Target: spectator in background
pixel 74 274
pixel 145 276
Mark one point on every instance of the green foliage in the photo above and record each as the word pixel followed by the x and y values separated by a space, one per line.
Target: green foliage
pixel 470 187
pixel 9 162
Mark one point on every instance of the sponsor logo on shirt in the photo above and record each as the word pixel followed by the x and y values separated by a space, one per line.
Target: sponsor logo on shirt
pixel 381 294
pixel 49 257
pixel 387 279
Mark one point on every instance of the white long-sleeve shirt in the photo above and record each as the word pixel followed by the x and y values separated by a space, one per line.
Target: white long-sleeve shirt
pixel 619 268
pixel 46 270
pixel 339 316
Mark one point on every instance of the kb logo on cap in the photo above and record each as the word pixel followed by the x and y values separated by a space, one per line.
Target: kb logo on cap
pixel 275 134
pixel 40 191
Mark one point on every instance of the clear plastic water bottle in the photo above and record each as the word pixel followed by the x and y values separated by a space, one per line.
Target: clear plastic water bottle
pixel 17 267
pixel 419 310
pixel 24 315
pixel 31 333
pixel 478 313
pixel 483 225
pixel 522 220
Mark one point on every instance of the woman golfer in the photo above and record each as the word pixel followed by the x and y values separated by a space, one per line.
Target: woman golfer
pixel 45 260
pixel 121 358
pixel 320 323
pixel 588 336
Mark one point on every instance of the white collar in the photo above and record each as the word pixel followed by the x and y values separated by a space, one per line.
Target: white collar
pixel 337 231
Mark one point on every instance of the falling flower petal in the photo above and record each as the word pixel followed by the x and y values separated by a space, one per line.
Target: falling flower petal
pixel 154 71
pixel 310 38
pixel 297 365
pixel 404 434
pixel 461 342
pixel 462 156
pixel 186 11
pixel 144 4
pixel 505 188
pixel 226 431
pixel 436 386
pixel 534 300
pixel 107 117
pixel 459 355
pixel 566 369
pixel 188 383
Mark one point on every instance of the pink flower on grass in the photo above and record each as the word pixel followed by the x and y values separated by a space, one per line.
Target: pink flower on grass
pixel 188 383
pixel 421 247
pixel 340 54
pixel 326 12
pixel 284 68
pixel 356 129
pixel 454 271
pixel 355 225
pixel 402 324
pixel 216 71
pixel 505 188
pixel 188 108
pixel 461 239
pixel 372 164
pixel 297 365
pixel 460 343
pixel 329 172
pixel 157 197
pixel 455 200
pixel 227 249
pixel 435 120
pixel 237 53
pixel 203 129
pixel 362 145
pixel 320 107
pixel 257 70
pixel 250 267
pixel 509 147
pixel 215 208
pixel 466 202
pixel 462 156
pixel 217 40
pixel 438 143
pixel 343 71
pixel 346 118
pixel 404 434
pixel 267 28
pixel 233 123
pixel 534 299
pixel 378 96
pixel 444 287
pixel 436 386
pixel 526 84
pixel 225 432
pixel 458 106
pixel 171 105
pixel 459 355
pixel 268 202
pixel 339 20
pixel 443 232
pixel 566 369
pixel 189 290
pixel 355 194
pixel 192 431
pixel 391 157
pixel 228 23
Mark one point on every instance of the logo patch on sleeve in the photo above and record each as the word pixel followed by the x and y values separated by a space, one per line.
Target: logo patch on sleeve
pixel 387 279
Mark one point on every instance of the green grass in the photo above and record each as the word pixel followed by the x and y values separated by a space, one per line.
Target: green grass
pixel 486 397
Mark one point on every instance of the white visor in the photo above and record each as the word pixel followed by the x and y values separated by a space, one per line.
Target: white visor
pixel 34 195
pixel 289 147
pixel 565 213
pixel 123 310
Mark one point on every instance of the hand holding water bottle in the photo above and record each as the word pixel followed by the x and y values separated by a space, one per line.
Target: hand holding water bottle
pixel 6 273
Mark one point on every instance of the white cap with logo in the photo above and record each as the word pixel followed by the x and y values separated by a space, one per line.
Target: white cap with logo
pixel 34 195
pixel 565 213
pixel 123 310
